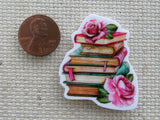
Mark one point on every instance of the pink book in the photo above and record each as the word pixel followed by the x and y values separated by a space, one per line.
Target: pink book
pixel 118 37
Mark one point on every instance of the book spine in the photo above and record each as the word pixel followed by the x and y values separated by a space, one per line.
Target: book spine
pixel 118 47
pixel 121 55
pixel 66 65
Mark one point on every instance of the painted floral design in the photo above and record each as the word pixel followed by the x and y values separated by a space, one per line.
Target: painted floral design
pixel 94 30
pixel 121 91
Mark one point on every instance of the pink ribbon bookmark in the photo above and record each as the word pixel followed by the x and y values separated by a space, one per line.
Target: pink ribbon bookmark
pixel 71 74
pixel 105 64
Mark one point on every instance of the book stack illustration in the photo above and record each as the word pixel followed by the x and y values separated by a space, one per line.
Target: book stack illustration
pixel 97 68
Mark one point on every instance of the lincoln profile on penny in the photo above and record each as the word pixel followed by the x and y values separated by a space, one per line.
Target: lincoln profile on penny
pixel 39 31
pixel 38 39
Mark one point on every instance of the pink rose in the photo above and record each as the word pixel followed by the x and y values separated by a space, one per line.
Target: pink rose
pixel 121 91
pixel 94 30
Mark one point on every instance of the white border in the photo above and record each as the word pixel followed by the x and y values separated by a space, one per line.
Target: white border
pixel 77 45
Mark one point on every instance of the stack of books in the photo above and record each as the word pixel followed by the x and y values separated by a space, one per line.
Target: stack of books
pixel 91 64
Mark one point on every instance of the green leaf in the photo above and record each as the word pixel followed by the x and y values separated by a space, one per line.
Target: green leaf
pixel 110 31
pixel 103 100
pixel 124 69
pixel 103 92
pixel 111 28
pixel 109 36
pixel 130 77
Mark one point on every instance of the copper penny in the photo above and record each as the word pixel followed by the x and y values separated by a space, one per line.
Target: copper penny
pixel 39 35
